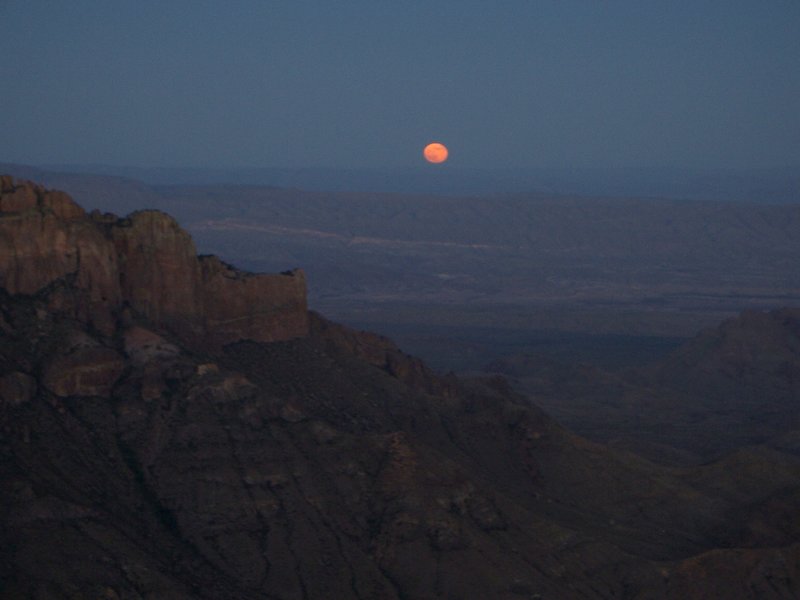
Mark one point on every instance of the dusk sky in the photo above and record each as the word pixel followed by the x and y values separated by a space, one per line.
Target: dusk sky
pixel 522 83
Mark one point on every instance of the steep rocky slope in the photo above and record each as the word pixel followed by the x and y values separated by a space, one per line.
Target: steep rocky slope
pixel 733 385
pixel 147 453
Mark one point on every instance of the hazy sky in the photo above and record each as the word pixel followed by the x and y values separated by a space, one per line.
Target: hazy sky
pixel 357 83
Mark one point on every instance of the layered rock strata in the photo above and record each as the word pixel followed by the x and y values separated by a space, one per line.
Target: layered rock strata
pixel 98 268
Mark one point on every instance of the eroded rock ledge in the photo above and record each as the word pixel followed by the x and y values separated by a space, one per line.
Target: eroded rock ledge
pixel 97 267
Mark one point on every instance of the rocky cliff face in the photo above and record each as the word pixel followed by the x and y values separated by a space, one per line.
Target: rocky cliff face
pixel 323 464
pixel 99 269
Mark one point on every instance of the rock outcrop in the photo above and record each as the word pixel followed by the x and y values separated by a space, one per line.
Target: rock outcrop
pixel 95 266
pixel 135 463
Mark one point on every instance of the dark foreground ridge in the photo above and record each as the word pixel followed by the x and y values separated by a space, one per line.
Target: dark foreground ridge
pixel 171 427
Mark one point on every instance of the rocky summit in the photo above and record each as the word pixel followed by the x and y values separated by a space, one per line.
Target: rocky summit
pixel 174 428
pixel 95 267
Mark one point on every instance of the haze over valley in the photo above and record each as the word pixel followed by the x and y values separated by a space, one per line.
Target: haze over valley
pixel 463 280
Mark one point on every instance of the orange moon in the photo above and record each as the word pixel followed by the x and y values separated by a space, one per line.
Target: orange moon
pixel 435 152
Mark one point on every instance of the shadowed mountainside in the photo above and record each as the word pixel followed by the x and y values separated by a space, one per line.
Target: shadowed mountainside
pixel 137 461
pixel 733 385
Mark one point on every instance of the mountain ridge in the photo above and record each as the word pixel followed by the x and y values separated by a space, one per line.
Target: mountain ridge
pixel 139 461
pixel 145 263
pixel 532 262
pixel 766 184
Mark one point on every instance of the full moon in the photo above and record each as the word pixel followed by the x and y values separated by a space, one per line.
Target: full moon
pixel 435 152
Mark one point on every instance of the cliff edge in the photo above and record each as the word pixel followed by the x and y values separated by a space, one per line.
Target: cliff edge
pixel 101 269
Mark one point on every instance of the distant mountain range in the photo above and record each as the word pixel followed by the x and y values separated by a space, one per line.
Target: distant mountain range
pixel 764 185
